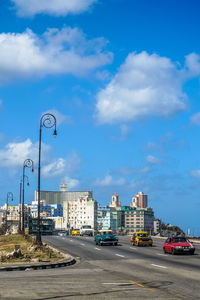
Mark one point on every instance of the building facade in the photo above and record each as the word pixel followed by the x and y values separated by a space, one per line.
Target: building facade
pixel 78 212
pixel 106 218
pixel 58 197
pixel 133 219
pixel 140 200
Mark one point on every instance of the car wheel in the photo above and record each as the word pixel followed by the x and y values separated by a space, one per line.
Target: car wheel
pixel 96 243
pixel 164 250
pixel 172 251
pixel 192 252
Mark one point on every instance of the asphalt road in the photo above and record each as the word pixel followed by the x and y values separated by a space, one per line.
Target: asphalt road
pixel 108 272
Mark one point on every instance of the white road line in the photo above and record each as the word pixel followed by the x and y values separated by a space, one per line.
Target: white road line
pixel 71 240
pixel 97 249
pixel 161 254
pixel 163 267
pixel 120 255
pixel 82 244
pixel 133 248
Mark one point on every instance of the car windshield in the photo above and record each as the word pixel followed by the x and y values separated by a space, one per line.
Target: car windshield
pixel 142 234
pixel 179 239
pixel 86 227
pixel 105 232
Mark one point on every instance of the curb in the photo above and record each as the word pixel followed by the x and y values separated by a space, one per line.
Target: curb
pixel 32 267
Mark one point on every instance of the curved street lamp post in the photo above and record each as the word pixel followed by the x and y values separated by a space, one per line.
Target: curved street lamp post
pixel 20 202
pixel 28 163
pixel 9 196
pixel 48 121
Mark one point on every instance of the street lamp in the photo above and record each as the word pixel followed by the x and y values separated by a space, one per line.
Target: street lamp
pixel 9 196
pixel 48 121
pixel 28 163
pixel 20 201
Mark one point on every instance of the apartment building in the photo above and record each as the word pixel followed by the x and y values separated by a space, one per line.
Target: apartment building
pixel 140 200
pixel 136 219
pixel 106 218
pixel 78 212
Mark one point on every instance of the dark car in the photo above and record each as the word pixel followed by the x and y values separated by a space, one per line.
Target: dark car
pixel 178 244
pixel 105 237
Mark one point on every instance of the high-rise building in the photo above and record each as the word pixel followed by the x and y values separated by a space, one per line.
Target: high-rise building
pixel 81 211
pixel 140 200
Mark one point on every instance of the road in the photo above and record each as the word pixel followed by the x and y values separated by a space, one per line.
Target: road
pixel 108 272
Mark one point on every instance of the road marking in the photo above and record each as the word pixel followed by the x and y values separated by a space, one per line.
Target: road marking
pixel 117 283
pixel 163 267
pixel 141 285
pixel 97 249
pixel 120 255
pixel 82 244
pixel 161 254
pixel 71 240
pixel 133 248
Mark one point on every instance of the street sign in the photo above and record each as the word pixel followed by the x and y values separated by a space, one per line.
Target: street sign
pixel 150 227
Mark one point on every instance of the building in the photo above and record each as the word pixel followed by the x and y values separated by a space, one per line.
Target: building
pixel 115 203
pixel 81 211
pixel 157 226
pixel 140 200
pixel 58 197
pixel 135 219
pixel 106 218
pixel 52 210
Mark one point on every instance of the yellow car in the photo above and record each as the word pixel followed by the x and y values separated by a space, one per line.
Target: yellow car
pixel 141 238
pixel 76 232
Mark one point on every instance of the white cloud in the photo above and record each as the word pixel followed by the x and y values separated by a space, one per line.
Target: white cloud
pixel 71 182
pixel 64 51
pixel 153 160
pixel 145 85
pixel 14 154
pixel 192 63
pixel 51 7
pixel 62 166
pixel 195 119
pixel 195 173
pixel 109 181
pixel 60 118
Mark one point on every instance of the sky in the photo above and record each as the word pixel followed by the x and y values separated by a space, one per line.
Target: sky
pixel 122 78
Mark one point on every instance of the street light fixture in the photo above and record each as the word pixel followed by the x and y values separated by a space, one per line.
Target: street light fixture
pixel 20 202
pixel 48 121
pixel 9 196
pixel 28 163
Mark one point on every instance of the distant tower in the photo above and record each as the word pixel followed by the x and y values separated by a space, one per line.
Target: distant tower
pixel 115 203
pixel 63 187
pixel 140 200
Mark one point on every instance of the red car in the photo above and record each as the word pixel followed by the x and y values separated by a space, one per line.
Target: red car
pixel 178 244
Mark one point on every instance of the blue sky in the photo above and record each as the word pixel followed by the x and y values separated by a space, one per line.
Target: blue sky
pixel 122 79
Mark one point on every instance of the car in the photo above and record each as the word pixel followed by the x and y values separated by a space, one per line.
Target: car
pixel 105 237
pixel 76 232
pixel 141 238
pixel 62 233
pixel 178 244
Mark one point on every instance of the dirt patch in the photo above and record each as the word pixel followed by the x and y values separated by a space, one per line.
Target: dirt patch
pixel 23 248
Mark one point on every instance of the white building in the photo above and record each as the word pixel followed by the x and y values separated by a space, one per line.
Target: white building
pixel 157 226
pixel 78 212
